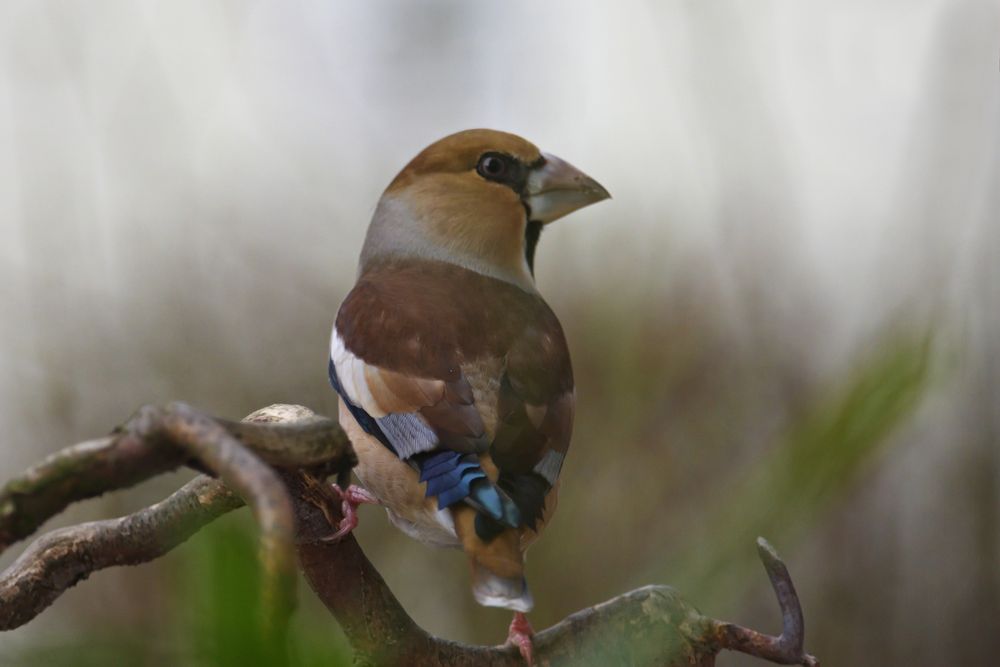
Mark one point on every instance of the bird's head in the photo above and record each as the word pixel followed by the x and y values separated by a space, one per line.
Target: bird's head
pixel 478 198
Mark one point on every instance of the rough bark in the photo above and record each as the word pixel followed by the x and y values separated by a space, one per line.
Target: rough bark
pixel 653 625
pixel 61 559
pixel 142 448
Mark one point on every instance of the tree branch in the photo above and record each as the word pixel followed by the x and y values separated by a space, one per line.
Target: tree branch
pixel 785 649
pixel 652 625
pixel 83 471
pixel 649 626
pixel 260 487
pixel 141 448
pixel 60 559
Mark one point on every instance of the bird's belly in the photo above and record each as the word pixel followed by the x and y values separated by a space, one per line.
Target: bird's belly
pixel 397 486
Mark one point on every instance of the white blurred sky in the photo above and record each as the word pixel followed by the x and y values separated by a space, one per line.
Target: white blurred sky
pixel 841 154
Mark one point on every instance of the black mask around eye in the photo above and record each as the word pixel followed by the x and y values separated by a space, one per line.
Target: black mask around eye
pixel 501 168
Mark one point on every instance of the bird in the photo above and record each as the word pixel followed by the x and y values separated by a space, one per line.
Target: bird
pixel 453 373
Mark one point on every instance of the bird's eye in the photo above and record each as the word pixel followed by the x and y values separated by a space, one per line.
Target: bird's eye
pixel 492 166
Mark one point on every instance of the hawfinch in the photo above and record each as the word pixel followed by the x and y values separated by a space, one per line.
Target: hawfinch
pixel 454 376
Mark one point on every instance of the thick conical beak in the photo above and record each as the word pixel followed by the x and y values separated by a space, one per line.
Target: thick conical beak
pixel 557 188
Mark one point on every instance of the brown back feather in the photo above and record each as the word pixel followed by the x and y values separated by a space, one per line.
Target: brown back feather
pixel 426 319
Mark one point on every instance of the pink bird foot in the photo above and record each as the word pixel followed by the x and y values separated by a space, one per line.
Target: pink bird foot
pixel 520 635
pixel 350 499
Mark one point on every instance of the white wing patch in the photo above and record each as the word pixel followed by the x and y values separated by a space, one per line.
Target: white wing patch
pixel 391 399
pixel 351 373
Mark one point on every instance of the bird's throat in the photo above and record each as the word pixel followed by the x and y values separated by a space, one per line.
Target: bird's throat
pixel 532 232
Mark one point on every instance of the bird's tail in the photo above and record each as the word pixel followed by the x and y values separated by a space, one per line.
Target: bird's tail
pixel 492 590
pixel 497 565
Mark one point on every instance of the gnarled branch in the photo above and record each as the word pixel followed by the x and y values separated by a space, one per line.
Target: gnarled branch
pixel 653 625
pixel 61 559
pixel 142 448
pixel 785 649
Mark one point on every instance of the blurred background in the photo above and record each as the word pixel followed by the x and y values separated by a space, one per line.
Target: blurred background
pixel 785 323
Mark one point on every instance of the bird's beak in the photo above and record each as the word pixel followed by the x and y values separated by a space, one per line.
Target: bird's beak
pixel 557 188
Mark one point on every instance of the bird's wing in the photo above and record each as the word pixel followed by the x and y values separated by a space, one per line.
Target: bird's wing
pixel 535 411
pixel 410 414
pixel 399 346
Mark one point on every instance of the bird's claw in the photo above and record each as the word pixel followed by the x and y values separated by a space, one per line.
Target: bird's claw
pixel 520 635
pixel 349 498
